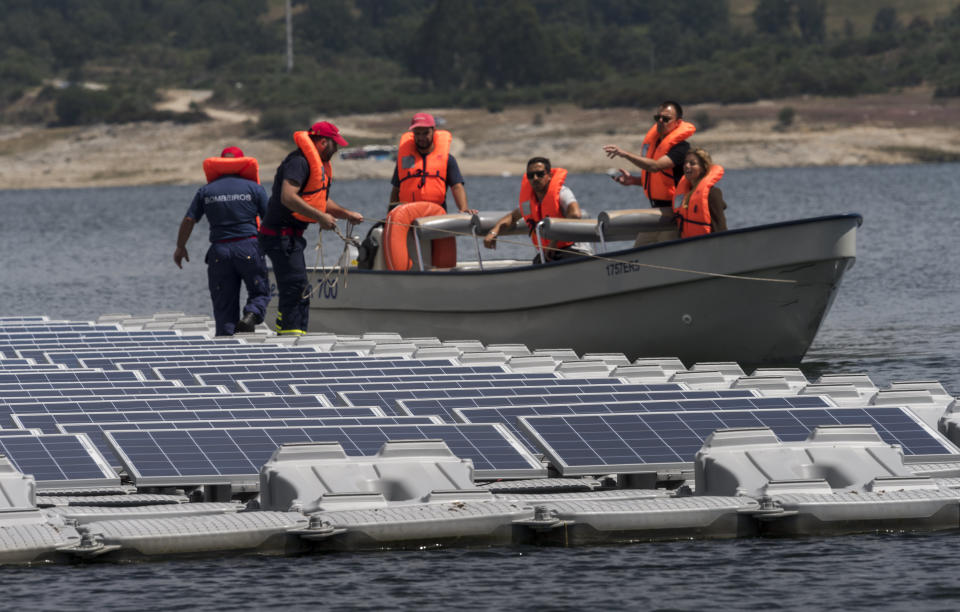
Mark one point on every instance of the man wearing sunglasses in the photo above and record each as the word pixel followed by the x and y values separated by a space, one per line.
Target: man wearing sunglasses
pixel 425 168
pixel 661 159
pixel 542 194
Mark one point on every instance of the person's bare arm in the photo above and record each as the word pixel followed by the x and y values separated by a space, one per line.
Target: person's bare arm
pixel 573 210
pixel 340 212
pixel 460 197
pixel 394 194
pixel 290 198
pixel 508 220
pixel 180 253
pixel 644 163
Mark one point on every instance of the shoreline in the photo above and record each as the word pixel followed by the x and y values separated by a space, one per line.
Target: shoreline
pixel 903 128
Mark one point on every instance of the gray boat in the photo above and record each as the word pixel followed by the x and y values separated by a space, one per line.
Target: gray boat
pixel 754 295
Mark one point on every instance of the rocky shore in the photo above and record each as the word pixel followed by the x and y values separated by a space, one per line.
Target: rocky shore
pixel 902 128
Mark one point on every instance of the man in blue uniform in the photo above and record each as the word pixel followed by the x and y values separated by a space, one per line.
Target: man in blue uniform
pixel 232 204
pixel 281 234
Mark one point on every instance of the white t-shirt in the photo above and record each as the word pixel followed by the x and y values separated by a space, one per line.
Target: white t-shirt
pixel 565 196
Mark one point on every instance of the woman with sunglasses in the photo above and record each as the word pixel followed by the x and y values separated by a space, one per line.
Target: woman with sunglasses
pixel 542 194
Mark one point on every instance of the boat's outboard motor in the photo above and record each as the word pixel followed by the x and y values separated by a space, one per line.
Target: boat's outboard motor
pixel 367 253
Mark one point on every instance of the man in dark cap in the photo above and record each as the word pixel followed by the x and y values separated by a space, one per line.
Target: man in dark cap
pixel 300 196
pixel 233 201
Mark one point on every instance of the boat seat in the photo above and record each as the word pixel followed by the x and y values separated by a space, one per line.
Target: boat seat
pixel 485 220
pixel 574 230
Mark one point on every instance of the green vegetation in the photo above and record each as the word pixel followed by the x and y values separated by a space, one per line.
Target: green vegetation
pixel 381 55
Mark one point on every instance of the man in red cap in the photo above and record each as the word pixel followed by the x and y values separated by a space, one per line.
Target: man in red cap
pixel 300 196
pixel 425 168
pixel 233 200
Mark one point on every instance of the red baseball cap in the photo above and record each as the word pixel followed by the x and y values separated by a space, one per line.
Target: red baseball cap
pixel 328 130
pixel 422 120
pixel 232 152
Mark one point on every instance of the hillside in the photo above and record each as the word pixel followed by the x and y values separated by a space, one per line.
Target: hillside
pixel 905 127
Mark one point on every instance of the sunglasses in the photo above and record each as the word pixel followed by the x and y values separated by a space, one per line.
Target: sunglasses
pixel 536 174
pixel 662 118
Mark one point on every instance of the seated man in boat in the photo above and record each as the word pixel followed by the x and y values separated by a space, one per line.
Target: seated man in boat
pixel 542 194
pixel 299 197
pixel 234 202
pixel 699 205
pixel 425 168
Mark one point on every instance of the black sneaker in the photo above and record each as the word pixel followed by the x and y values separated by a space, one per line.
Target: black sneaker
pixel 248 323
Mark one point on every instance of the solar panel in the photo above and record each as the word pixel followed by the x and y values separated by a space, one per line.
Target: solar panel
pixel 331 390
pixel 70 393
pixel 65 376
pixel 282 383
pixel 310 385
pixel 87 335
pixel 50 422
pixel 201 347
pixel 42 327
pixel 36 350
pixel 120 404
pixel 96 430
pixel 226 374
pixel 191 456
pixel 626 401
pixel 58 460
pixel 210 358
pixel 430 400
pixel 13 361
pixel 499 410
pixel 604 443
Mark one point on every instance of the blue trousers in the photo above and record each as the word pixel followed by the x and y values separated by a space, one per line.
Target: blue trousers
pixel 290 270
pixel 228 265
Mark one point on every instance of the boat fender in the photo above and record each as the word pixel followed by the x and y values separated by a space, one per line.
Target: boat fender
pixel 444 250
pixel 367 252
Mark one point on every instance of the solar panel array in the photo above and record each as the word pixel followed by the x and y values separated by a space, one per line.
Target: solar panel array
pixel 235 455
pixel 178 410
pixel 599 443
pixel 602 394
pixel 695 400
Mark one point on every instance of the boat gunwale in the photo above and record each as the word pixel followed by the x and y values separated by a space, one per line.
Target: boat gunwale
pixel 620 253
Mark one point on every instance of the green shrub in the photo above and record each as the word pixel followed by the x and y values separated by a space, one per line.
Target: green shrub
pixel 785 117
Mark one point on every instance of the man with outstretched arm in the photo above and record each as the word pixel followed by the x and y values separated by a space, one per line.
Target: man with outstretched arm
pixel 661 157
pixel 300 196
pixel 233 201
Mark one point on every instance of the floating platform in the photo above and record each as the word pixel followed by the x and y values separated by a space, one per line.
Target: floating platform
pixel 145 437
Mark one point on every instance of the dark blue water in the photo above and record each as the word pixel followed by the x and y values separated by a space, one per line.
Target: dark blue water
pixel 77 254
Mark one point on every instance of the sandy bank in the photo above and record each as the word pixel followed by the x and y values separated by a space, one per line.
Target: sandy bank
pixel 898 128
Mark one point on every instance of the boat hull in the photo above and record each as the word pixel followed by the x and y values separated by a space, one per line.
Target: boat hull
pixel 657 300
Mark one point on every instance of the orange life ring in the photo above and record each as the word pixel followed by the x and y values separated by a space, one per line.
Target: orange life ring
pixel 444 250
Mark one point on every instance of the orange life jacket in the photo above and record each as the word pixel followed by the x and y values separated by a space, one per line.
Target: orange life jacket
pixel 534 211
pixel 315 191
pixel 423 178
pixel 660 185
pixel 693 215
pixel 244 167
pixel 444 250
